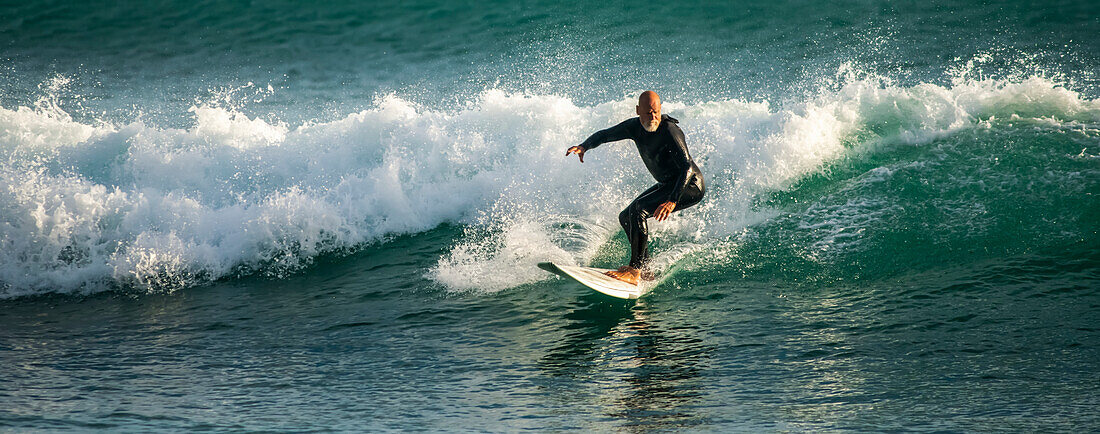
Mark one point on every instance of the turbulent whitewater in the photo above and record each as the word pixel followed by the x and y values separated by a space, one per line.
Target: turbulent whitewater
pixel 93 205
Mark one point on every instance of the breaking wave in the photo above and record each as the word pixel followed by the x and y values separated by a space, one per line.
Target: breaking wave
pixel 93 206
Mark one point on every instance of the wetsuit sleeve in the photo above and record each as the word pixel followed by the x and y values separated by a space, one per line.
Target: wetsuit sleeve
pixel 683 165
pixel 617 132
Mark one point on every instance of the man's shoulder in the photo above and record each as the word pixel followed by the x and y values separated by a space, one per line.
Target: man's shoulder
pixel 631 122
pixel 632 125
pixel 673 125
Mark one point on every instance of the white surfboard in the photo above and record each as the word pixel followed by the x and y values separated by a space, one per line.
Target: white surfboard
pixel 595 279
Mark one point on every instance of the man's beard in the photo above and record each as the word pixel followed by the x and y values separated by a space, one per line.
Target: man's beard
pixel 650 127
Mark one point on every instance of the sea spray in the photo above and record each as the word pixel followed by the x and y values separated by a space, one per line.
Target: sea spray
pixel 750 151
pixel 94 206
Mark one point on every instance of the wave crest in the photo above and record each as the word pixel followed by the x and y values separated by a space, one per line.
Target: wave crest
pixel 93 207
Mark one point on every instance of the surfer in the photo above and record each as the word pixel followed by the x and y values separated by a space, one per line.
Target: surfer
pixel 664 151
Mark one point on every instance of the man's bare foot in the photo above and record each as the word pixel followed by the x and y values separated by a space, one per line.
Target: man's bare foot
pixel 626 274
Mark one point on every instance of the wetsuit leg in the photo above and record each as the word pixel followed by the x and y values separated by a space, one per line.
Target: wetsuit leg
pixel 633 218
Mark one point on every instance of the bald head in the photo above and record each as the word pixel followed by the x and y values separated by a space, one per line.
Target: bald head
pixel 649 97
pixel 649 110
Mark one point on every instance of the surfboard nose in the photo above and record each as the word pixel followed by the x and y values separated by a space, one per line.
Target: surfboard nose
pixel 549 266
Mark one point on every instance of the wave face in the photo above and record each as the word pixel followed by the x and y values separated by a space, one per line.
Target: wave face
pixel 861 178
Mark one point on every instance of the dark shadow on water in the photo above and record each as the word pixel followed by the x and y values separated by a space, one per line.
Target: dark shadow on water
pixel 594 317
pixel 638 369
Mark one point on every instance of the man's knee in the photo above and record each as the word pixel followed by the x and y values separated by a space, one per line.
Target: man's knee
pixel 633 213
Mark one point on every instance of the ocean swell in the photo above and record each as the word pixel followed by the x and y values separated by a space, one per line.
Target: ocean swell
pixel 87 207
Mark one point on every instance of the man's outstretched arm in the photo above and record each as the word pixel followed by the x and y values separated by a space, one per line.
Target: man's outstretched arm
pixel 615 133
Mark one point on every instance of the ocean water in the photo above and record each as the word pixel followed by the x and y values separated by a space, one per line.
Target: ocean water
pixel 281 216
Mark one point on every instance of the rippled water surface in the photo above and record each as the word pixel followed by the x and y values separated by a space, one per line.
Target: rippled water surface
pixel 964 348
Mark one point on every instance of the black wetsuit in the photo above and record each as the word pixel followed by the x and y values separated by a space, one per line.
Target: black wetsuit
pixel 665 154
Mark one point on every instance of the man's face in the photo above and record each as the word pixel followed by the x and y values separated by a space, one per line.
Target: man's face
pixel 649 112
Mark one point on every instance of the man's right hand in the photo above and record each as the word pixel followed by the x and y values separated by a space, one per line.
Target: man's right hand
pixel 576 150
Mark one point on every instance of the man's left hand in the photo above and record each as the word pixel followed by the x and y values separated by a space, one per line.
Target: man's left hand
pixel 664 210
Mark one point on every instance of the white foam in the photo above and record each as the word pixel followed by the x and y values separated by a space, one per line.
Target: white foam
pixel 90 207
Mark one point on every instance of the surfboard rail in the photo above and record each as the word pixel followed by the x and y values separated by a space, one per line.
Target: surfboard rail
pixel 595 279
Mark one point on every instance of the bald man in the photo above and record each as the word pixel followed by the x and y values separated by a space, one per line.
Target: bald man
pixel 664 152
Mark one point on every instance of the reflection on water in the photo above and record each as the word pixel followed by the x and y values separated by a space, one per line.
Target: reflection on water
pixel 593 319
pixel 630 363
